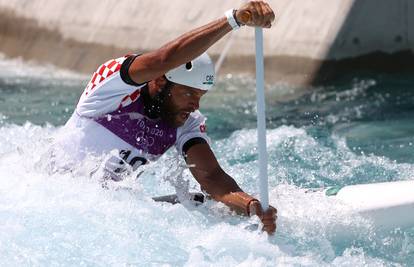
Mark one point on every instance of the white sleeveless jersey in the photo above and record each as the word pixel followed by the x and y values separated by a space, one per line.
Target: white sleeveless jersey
pixel 109 119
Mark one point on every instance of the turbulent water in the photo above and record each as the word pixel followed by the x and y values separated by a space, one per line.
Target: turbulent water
pixel 358 130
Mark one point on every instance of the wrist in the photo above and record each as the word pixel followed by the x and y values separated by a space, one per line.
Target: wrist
pixel 236 19
pixel 252 207
pixel 231 18
pixel 240 202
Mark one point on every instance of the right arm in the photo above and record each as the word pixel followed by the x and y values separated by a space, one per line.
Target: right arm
pixel 192 44
pixel 222 187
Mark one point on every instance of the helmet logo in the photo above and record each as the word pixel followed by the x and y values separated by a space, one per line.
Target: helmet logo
pixel 209 79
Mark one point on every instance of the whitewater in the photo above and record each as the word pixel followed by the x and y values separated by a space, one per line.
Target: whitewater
pixel 357 130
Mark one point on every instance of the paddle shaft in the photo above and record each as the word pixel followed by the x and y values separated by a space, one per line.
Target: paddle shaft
pixel 261 119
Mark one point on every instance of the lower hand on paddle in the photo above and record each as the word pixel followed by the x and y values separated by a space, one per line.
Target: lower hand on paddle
pixel 255 14
pixel 267 217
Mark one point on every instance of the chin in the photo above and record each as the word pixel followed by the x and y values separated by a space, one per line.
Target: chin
pixel 175 122
pixel 179 123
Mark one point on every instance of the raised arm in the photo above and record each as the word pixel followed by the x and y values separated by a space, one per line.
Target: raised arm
pixel 221 187
pixel 192 44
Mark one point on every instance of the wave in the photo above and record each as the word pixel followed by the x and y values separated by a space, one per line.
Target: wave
pixel 68 218
pixel 18 68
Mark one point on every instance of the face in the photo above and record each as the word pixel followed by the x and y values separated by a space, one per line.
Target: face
pixel 180 102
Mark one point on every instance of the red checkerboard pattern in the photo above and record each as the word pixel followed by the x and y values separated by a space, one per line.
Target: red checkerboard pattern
pixel 103 72
pixel 130 98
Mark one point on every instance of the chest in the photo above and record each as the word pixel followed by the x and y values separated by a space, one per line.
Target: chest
pixel 153 137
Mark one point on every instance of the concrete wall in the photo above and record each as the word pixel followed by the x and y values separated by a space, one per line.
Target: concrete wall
pixel 79 34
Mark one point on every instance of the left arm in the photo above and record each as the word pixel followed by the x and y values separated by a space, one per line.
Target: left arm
pixel 221 187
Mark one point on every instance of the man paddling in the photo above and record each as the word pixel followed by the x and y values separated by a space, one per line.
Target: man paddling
pixel 138 106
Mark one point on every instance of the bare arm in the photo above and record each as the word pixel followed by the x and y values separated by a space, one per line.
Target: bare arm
pixel 179 51
pixel 221 187
pixel 212 179
pixel 192 44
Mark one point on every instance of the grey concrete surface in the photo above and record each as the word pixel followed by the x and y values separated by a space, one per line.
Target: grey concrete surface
pixel 80 34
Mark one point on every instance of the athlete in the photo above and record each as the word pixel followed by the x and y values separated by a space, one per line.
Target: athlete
pixel 138 106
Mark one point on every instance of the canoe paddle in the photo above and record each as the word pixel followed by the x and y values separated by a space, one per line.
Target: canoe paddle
pixel 261 116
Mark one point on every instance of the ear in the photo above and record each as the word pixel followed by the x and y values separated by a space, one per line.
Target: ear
pixel 161 81
pixel 155 86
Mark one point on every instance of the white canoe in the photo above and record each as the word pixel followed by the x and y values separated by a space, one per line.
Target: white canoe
pixel 389 205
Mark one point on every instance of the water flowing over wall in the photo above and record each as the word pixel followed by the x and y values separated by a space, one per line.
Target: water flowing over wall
pixel 307 37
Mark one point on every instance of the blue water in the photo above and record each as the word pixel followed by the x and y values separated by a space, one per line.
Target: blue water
pixel 358 129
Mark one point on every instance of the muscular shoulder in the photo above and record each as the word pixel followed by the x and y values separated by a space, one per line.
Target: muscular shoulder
pixel 108 89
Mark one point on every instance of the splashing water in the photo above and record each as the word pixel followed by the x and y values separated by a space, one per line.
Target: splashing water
pixel 326 137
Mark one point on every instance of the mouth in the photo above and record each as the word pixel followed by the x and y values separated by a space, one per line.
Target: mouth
pixel 184 115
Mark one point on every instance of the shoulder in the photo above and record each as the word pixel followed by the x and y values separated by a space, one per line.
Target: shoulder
pixel 108 90
pixel 103 73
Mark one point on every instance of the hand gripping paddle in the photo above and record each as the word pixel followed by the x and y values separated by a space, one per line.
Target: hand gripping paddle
pixel 261 116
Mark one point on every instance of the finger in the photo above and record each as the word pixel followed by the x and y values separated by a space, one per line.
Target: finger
pixel 268 23
pixel 261 12
pixel 270 212
pixel 266 16
pixel 245 17
pixel 247 13
pixel 269 13
pixel 255 15
pixel 269 216
pixel 272 208
pixel 269 221
pixel 270 229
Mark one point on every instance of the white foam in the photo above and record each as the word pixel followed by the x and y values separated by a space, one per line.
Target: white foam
pixel 18 68
pixel 67 219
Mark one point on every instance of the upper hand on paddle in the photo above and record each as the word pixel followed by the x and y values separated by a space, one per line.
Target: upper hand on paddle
pixel 267 217
pixel 255 14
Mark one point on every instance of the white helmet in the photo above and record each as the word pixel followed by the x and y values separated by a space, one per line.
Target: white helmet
pixel 198 73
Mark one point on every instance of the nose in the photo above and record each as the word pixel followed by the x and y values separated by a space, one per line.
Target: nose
pixel 195 103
